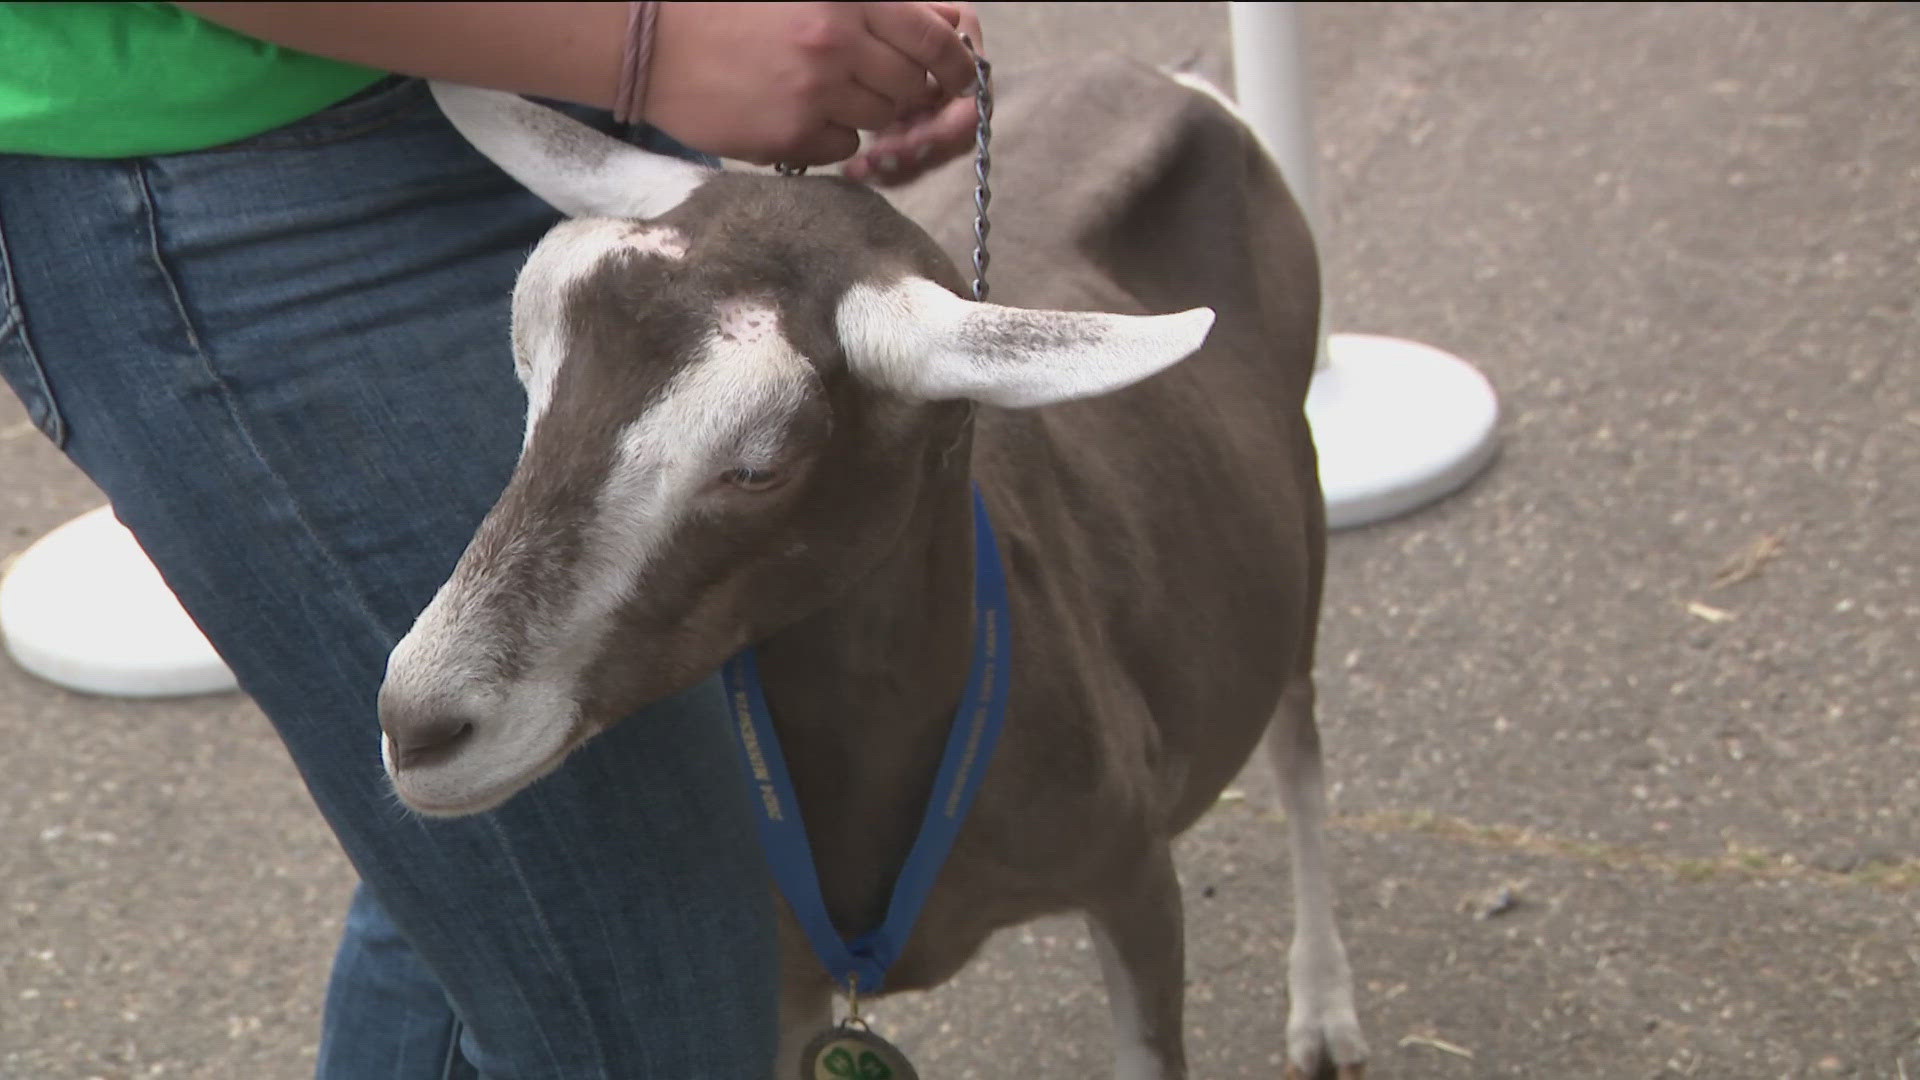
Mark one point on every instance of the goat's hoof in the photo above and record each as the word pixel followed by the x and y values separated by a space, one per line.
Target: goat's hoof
pixel 1328 1048
pixel 1335 1051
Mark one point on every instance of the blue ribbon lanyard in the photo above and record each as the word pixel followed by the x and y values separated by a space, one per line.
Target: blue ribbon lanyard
pixel 861 964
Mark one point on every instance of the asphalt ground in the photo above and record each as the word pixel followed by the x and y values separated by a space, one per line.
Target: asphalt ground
pixel 1625 737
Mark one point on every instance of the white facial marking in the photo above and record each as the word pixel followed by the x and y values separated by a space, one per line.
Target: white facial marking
pixel 728 407
pixel 519 729
pixel 660 240
pixel 568 255
pixel 746 322
pixel 446 664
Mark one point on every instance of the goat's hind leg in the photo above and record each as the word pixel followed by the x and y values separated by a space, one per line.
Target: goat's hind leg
pixel 1323 1033
pixel 1138 935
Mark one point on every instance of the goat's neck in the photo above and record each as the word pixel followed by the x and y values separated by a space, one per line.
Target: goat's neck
pixel 864 693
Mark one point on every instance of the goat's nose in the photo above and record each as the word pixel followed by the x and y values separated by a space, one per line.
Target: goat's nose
pixel 426 741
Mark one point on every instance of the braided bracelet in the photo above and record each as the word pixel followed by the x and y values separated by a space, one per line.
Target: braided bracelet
pixel 630 99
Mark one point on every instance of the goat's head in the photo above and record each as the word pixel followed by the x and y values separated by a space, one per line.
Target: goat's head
pixel 736 386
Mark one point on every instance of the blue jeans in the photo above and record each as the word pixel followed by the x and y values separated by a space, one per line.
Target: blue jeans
pixel 286 362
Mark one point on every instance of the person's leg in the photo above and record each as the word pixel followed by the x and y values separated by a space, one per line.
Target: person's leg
pixel 386 1015
pixel 286 363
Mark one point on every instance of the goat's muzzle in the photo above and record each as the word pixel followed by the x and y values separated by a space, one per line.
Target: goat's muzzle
pixel 421 739
pixel 453 744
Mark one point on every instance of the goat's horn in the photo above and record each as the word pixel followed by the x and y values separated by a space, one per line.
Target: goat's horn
pixel 581 172
pixel 918 339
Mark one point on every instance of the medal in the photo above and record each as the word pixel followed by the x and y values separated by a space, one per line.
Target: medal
pixel 851 1052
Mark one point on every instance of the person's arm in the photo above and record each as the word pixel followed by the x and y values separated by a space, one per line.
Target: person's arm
pixel 763 82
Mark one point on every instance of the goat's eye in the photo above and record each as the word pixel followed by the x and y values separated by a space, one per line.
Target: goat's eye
pixel 747 479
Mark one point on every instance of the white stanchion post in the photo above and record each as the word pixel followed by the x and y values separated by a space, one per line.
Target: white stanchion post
pixel 1398 424
pixel 1270 85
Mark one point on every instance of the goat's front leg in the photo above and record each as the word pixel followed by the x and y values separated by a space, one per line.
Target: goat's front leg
pixel 1138 935
pixel 1323 1034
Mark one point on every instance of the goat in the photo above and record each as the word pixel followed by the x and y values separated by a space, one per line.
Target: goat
pixel 752 419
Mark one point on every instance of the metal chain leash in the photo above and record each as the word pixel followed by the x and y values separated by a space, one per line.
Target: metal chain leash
pixel 982 163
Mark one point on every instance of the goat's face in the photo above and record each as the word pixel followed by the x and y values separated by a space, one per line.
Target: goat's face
pixel 736 386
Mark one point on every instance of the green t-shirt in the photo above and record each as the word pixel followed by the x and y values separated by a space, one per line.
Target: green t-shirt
pixel 124 80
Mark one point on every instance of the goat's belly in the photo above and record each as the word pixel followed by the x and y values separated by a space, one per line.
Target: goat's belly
pixel 933 959
pixel 967 907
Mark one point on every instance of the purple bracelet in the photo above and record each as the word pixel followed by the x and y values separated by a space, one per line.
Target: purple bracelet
pixel 630 99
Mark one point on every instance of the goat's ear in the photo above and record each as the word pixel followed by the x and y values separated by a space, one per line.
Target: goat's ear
pixel 581 172
pixel 920 340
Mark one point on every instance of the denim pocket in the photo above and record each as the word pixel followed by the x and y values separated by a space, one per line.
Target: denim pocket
pixel 18 365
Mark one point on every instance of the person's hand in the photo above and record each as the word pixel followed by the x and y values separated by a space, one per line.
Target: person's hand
pixel 797 82
pixel 913 144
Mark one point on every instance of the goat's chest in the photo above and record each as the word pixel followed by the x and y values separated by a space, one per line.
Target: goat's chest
pixel 1070 793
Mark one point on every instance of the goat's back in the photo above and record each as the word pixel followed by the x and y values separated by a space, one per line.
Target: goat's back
pixel 1168 538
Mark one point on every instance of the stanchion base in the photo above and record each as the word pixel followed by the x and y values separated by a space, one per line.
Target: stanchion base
pixel 84 609
pixel 1398 424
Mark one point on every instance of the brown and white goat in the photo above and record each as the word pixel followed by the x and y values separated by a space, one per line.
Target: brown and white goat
pixel 751 419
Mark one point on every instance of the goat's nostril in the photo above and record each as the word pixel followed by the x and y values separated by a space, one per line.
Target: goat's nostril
pixel 429 742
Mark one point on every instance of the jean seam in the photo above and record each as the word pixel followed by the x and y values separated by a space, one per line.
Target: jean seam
pixel 13 323
pixel 578 998
pixel 452 1059
pixel 349 586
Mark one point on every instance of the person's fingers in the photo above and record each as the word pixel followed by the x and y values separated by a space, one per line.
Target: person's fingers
pixel 880 159
pixel 893 75
pixel 928 39
pixel 830 143
pixel 939 136
pixel 910 148
pixel 964 19
pixel 854 106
